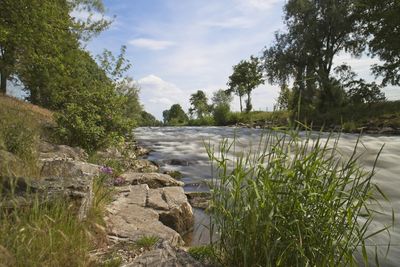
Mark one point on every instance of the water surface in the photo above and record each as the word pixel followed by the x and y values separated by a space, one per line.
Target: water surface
pixel 183 149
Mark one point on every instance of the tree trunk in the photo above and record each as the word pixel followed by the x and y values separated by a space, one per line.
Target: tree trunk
pixel 240 99
pixel 248 107
pixel 3 83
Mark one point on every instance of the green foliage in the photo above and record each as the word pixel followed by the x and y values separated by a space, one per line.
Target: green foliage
pixel 44 234
pixel 221 114
pixel 204 121
pixel 290 202
pixel 148 119
pixel 202 253
pixel 147 242
pixel 246 76
pixel 379 22
pixel 199 104
pixel 175 116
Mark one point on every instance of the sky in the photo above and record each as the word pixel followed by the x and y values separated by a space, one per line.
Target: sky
pixel 177 47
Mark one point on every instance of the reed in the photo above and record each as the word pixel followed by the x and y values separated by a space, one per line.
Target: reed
pixel 294 200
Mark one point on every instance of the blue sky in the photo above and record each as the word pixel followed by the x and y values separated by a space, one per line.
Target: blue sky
pixel 177 47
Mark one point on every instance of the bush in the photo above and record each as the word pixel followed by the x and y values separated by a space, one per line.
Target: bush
pixel 93 121
pixel 221 114
pixel 291 203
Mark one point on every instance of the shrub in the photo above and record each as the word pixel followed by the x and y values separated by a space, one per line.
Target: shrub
pixel 291 202
pixel 221 114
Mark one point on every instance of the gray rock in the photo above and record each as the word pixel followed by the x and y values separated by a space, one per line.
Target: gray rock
pixel 199 199
pixel 129 219
pixel 180 214
pixel 153 180
pixel 165 256
pixel 143 165
pixel 68 168
pixel 387 130
pixel 51 151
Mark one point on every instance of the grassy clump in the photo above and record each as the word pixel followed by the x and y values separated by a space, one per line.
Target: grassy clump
pixel 48 233
pixel 147 242
pixel 292 202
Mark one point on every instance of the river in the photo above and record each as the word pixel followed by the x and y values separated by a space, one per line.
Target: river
pixel 183 149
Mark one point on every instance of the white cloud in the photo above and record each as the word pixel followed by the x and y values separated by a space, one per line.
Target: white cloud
pixel 259 4
pixel 151 44
pixel 235 22
pixel 158 95
pixel 85 15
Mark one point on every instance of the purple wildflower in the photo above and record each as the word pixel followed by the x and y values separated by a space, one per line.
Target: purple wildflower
pixel 107 170
pixel 119 181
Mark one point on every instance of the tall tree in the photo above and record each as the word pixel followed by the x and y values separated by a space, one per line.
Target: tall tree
pixel 246 76
pixel 35 35
pixel 380 24
pixel 221 106
pixel 199 104
pixel 175 115
pixel 316 32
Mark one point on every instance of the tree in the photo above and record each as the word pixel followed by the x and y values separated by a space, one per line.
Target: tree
pixel 221 106
pixel 380 24
pixel 246 76
pixel 175 116
pixel 35 35
pixel 199 105
pixel 316 32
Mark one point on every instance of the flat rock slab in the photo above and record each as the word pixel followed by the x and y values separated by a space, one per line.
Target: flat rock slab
pixel 143 165
pixel 52 151
pixel 139 211
pixel 153 179
pixel 68 168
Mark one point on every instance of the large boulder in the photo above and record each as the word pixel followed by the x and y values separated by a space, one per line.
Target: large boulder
pixel 153 180
pixel 130 219
pixel 180 214
pixel 173 207
pixel 68 178
pixel 164 256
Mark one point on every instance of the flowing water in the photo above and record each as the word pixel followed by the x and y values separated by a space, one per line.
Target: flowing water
pixel 183 149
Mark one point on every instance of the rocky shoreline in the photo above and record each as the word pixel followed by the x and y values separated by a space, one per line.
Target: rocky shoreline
pixel 145 204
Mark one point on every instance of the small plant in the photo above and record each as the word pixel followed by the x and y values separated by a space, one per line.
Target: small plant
pixel 147 242
pixel 204 254
pixel 291 202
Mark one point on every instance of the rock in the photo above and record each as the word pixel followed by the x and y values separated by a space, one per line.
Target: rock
pixel 143 165
pixel 387 130
pixel 165 255
pixel 7 259
pixel 51 151
pixel 174 174
pixel 178 162
pixel 79 189
pixel 68 168
pixel 153 180
pixel 128 217
pixel 180 215
pixel 73 179
pixel 199 199
pixel 142 151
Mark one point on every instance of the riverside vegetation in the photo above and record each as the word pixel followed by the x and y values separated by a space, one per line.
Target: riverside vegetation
pixel 293 201
pixel 279 202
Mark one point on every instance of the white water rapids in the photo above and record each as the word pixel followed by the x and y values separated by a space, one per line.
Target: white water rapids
pixel 185 146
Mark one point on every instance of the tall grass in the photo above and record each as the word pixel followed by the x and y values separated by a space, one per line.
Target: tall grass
pixel 291 202
pixel 34 232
